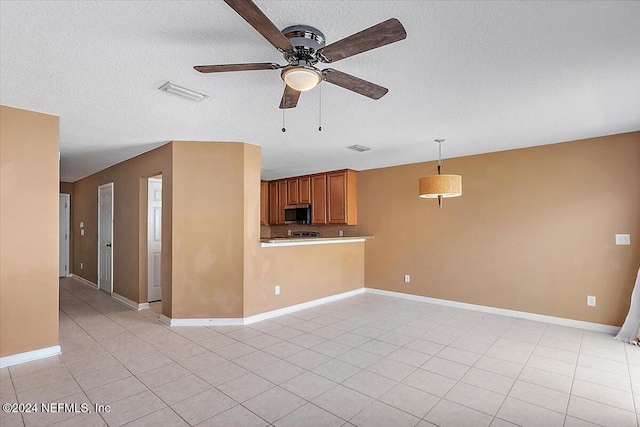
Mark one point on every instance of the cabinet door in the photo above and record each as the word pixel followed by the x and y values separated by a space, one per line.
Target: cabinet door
pixel 337 197
pixel 292 191
pixel 319 199
pixel 282 199
pixel 304 190
pixel 264 203
pixel 273 202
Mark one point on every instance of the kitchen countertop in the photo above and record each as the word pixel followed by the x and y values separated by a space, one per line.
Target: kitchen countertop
pixel 301 241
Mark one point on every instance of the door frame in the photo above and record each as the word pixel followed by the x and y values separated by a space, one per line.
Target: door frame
pixel 151 180
pixel 110 184
pixel 67 226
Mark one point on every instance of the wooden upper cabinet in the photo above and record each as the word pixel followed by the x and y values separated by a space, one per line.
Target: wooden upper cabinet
pixel 341 197
pixel 292 191
pixel 283 194
pixel 264 203
pixel 304 189
pixel 318 199
pixel 273 202
pixel 332 197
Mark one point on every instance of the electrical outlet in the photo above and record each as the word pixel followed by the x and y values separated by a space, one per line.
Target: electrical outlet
pixel 277 289
pixel 288 232
pixel 591 301
pixel 82 232
pixel 623 239
pixel 407 278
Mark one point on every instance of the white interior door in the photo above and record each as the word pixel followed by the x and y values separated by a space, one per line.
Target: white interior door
pixel 105 237
pixel 154 239
pixel 64 235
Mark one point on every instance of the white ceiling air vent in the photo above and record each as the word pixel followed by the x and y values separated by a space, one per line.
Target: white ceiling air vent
pixel 183 91
pixel 358 148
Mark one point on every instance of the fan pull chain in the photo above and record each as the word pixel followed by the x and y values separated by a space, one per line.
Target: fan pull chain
pixel 320 110
pixel 284 129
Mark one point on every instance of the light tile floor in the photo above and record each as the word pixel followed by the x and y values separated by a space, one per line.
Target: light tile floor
pixel 364 361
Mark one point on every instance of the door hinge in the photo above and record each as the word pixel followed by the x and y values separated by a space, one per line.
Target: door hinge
pixel 65 237
pixel 65 205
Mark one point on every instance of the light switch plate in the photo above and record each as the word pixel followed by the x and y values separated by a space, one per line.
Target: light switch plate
pixel 407 278
pixel 591 301
pixel 623 239
pixel 277 290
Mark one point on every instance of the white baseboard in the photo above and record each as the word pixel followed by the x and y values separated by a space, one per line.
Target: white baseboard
pixel 84 281
pixel 293 308
pixel 203 321
pixel 126 301
pixel 561 321
pixel 239 321
pixel 29 356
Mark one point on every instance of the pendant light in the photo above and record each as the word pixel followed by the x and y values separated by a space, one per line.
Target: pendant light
pixel 440 186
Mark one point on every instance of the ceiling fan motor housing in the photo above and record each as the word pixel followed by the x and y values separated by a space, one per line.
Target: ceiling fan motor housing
pixel 306 41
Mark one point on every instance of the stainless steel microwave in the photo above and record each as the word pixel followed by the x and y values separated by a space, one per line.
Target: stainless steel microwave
pixel 298 214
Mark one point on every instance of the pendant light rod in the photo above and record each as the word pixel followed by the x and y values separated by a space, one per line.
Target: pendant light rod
pixel 439 141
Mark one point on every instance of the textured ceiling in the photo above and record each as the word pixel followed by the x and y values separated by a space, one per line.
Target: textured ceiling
pixel 487 76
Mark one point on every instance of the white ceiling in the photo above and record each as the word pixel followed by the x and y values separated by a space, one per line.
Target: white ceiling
pixel 487 76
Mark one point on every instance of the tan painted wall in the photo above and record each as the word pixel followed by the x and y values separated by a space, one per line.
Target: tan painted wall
pixel 67 188
pixel 208 227
pixel 129 224
pixel 533 231
pixel 304 273
pixel 29 174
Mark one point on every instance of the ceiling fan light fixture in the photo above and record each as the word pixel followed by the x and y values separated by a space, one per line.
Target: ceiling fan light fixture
pixel 301 77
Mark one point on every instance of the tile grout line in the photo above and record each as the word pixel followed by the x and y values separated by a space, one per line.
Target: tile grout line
pixel 520 372
pixel 573 378
pixel 633 396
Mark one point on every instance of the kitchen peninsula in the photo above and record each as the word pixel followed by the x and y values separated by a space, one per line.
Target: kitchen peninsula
pixel 312 255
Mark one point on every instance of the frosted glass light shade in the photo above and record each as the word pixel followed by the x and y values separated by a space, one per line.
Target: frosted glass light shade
pixel 432 186
pixel 301 78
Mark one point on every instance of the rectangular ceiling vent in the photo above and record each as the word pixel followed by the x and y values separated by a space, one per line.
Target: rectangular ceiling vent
pixel 183 91
pixel 358 148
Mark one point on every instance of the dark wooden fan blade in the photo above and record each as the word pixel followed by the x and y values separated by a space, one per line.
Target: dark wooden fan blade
pixel 354 84
pixel 384 33
pixel 258 20
pixel 289 98
pixel 236 67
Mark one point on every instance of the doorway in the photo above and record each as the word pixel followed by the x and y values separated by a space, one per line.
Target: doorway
pixel 63 229
pixel 105 237
pixel 154 239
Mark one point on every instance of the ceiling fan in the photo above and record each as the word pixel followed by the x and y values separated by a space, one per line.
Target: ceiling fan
pixel 303 46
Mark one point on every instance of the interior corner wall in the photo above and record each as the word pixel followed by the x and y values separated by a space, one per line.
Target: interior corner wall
pixel 208 229
pixel 129 224
pixel 534 230
pixel 67 188
pixel 29 176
